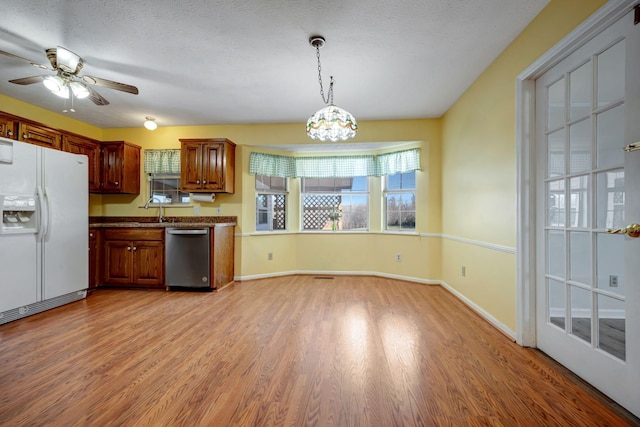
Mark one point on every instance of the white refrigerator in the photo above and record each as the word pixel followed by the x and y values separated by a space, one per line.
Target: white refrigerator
pixel 44 230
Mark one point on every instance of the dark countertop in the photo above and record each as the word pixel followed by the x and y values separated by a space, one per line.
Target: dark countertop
pixel 152 221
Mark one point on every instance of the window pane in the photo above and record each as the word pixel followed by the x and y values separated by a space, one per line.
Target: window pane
pixel 555 143
pixel 555 203
pixel 612 326
pixel 555 99
pixel 579 202
pixel 556 295
pixel 334 185
pixel 270 212
pixel 580 257
pixel 610 199
pixel 610 263
pixel 401 211
pixel 555 253
pixel 580 313
pixel 165 188
pixel 273 183
pixel 611 74
pixel 610 137
pixel 580 146
pixel 580 83
pixel 401 181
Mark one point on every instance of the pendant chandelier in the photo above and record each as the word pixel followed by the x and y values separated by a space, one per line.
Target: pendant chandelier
pixel 330 123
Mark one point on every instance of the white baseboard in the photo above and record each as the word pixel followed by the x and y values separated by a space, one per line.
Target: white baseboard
pixel 484 314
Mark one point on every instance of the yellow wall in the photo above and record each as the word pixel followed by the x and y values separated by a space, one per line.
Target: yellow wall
pixel 479 165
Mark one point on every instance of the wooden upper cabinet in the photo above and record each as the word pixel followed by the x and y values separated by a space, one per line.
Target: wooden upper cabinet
pixel 39 135
pixel 90 148
pixel 8 127
pixel 207 165
pixel 120 167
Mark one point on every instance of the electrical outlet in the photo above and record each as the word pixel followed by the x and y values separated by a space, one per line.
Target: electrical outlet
pixel 270 256
pixel 613 281
pixel 398 257
pixel 196 210
pixel 463 270
pixel 218 210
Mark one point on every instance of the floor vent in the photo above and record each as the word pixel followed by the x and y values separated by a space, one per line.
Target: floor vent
pixel 324 277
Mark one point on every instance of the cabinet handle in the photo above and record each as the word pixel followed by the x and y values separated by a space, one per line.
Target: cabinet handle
pixel 90 234
pixel 204 181
pixel 117 182
pixel 135 248
pixel 197 181
pixel 128 248
pixel 25 136
pixel 9 133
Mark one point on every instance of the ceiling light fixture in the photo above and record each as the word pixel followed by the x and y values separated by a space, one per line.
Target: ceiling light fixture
pixel 330 123
pixel 150 123
pixel 57 86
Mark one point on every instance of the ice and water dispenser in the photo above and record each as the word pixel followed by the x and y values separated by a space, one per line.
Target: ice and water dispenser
pixel 18 214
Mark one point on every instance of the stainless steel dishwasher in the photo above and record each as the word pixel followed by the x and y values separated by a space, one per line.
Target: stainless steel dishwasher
pixel 187 258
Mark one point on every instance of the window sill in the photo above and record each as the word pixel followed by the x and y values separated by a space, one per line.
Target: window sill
pixel 384 233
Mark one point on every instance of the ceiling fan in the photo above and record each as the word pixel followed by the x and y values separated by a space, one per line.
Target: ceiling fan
pixel 67 81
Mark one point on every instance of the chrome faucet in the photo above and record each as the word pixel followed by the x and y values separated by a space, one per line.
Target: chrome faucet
pixel 160 216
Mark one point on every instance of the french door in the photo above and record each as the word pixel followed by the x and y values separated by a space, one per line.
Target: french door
pixel 588 192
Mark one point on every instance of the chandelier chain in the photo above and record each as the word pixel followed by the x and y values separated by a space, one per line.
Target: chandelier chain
pixel 329 98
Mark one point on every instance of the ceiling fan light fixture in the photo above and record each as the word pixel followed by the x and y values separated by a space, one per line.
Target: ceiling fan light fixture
pixel 330 123
pixel 57 86
pixel 150 123
pixel 53 83
pixel 78 89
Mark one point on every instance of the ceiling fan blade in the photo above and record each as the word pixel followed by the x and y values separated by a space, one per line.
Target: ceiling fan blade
pixel 110 84
pixel 35 64
pixel 27 80
pixel 96 97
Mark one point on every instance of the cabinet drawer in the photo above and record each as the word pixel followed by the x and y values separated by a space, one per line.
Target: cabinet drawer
pixel 134 234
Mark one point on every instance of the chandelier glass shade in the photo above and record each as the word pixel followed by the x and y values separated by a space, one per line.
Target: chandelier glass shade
pixel 331 123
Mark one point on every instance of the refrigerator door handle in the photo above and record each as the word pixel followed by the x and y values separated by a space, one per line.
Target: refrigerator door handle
pixel 42 219
pixel 47 230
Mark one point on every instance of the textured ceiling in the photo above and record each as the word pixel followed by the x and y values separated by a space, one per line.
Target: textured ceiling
pixel 201 62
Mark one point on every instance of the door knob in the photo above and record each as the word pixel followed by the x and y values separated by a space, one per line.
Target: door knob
pixel 632 230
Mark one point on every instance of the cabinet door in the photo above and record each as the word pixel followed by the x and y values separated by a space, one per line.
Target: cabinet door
pixel 148 263
pixel 191 166
pixel 8 127
pixel 118 262
pixel 213 167
pixel 91 149
pixel 39 135
pixel 112 167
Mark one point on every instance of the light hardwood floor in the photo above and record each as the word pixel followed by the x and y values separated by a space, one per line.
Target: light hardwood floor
pixel 291 351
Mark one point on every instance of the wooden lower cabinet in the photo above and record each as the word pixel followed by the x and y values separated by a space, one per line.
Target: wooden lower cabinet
pixel 134 257
pixel 222 256
pixel 94 280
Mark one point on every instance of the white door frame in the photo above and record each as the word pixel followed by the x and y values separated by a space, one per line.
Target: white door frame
pixel 526 160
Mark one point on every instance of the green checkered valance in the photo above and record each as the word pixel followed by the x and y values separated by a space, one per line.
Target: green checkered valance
pixel 398 162
pixel 162 161
pixel 334 166
pixel 272 165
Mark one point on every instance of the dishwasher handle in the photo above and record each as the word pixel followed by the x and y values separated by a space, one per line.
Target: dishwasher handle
pixel 189 231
